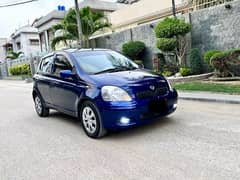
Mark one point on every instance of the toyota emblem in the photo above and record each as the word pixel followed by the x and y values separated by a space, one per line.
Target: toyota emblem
pixel 152 87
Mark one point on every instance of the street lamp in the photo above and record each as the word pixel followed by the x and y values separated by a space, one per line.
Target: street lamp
pixel 79 25
pixel 173 8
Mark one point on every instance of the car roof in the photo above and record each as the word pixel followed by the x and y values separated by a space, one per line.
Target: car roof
pixel 72 50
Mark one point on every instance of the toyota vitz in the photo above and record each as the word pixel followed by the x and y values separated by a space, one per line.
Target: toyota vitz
pixel 102 88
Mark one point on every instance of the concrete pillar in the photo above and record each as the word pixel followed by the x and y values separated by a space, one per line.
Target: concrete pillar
pixel 47 40
pixel 32 67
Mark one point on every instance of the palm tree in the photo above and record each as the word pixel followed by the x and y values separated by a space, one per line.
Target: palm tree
pixel 13 55
pixel 91 22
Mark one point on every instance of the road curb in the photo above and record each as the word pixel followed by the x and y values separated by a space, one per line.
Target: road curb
pixel 210 100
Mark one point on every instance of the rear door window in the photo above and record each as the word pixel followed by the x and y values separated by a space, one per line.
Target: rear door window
pixel 46 65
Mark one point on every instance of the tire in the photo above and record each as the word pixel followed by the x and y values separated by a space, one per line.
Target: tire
pixel 91 120
pixel 40 107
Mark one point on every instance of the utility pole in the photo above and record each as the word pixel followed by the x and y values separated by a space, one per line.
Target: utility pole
pixel 80 40
pixel 174 8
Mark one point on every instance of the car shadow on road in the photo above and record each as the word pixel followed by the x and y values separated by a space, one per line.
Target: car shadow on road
pixel 143 130
pixel 63 117
pixel 120 134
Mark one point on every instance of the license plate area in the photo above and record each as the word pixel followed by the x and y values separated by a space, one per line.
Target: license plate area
pixel 157 106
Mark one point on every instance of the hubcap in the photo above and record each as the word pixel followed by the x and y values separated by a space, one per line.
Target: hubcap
pixel 89 120
pixel 38 105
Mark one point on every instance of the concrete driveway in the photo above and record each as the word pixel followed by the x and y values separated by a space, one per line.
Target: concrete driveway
pixel 200 141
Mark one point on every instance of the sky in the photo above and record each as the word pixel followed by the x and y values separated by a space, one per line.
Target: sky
pixel 14 17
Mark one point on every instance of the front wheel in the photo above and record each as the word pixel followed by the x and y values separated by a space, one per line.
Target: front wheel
pixel 40 107
pixel 91 120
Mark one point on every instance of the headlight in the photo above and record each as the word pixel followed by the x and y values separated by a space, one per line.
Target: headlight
pixel 113 93
pixel 169 85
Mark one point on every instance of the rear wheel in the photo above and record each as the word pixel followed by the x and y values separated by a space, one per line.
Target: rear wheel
pixel 91 120
pixel 40 107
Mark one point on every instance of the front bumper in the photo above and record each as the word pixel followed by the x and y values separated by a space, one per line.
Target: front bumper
pixel 119 116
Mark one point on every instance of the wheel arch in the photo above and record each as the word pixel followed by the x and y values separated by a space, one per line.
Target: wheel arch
pixel 35 92
pixel 80 104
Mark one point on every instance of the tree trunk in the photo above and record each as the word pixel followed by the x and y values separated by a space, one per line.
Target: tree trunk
pixel 87 42
pixel 79 25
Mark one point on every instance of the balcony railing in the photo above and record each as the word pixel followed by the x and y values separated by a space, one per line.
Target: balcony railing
pixel 202 4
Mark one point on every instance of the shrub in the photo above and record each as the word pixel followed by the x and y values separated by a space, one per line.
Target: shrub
pixel 133 49
pixel 19 70
pixel 185 71
pixel 171 67
pixel 167 73
pixel 138 62
pixel 227 63
pixel 166 44
pixel 196 62
pixel 171 27
pixel 209 54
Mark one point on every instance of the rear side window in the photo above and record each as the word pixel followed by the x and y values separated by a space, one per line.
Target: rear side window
pixel 46 65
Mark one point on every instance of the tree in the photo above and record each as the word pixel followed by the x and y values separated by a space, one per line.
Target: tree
pixel 91 22
pixel 171 33
pixel 13 55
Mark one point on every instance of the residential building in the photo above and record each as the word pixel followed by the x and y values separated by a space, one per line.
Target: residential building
pixel 3 41
pixel 102 6
pixel 44 26
pixel 144 11
pixel 127 1
pixel 26 40
pixel 45 23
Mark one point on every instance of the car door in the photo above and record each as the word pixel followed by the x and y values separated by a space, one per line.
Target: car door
pixel 64 91
pixel 43 78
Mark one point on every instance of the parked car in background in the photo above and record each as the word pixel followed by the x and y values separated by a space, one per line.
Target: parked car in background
pixel 102 88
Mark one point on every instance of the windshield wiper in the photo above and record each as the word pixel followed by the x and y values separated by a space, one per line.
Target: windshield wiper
pixel 116 69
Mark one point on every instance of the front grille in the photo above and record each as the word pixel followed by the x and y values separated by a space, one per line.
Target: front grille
pixel 149 93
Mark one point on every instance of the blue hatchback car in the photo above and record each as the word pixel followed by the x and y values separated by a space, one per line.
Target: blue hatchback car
pixel 102 88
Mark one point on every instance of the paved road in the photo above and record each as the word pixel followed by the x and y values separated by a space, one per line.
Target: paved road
pixel 200 141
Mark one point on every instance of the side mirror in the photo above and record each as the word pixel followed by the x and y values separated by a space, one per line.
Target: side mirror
pixel 66 74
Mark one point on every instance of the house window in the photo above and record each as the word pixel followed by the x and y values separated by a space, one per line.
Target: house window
pixel 34 42
pixel 18 45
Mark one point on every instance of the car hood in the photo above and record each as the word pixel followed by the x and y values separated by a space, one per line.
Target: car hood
pixel 127 78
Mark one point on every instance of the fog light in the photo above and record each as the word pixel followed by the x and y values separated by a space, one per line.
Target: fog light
pixel 175 106
pixel 124 120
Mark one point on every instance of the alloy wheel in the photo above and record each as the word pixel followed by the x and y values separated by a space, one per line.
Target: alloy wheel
pixel 89 119
pixel 38 105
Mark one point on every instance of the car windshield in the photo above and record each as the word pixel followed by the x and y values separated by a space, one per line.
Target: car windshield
pixel 97 62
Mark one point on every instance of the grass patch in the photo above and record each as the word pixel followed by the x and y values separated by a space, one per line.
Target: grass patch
pixel 211 87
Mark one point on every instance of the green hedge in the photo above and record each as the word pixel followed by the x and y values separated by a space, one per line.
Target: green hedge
pixel 133 49
pixel 226 63
pixel 209 54
pixel 19 70
pixel 185 71
pixel 196 62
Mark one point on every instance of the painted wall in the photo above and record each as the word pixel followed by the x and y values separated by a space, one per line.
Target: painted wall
pixel 138 11
pixel 216 27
